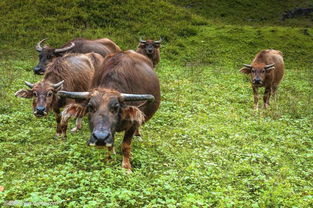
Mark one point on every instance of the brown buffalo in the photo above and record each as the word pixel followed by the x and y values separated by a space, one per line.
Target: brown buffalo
pixel 103 46
pixel 266 70
pixel 125 93
pixel 71 72
pixel 151 49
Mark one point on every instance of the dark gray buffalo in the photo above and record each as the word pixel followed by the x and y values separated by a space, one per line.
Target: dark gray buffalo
pixel 103 46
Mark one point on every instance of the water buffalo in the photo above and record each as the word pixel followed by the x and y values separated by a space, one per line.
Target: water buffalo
pixel 151 49
pixel 125 93
pixel 266 70
pixel 71 72
pixel 103 46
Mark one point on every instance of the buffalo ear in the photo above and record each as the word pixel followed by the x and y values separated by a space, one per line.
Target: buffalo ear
pixel 24 93
pixel 132 114
pixel 73 111
pixel 245 70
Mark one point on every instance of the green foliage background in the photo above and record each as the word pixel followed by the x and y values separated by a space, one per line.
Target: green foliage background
pixel 205 147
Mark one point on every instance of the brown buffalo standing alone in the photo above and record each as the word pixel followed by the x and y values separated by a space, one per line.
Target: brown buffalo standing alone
pixel 71 72
pixel 151 49
pixel 266 70
pixel 103 46
pixel 110 109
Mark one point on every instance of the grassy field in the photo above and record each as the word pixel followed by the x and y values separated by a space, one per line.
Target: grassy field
pixel 205 147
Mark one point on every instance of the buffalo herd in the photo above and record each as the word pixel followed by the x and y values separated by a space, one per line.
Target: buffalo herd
pixel 118 90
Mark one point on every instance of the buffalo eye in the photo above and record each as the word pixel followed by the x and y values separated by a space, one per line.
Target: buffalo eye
pixel 253 70
pixel 90 108
pixel 263 71
pixel 115 107
pixel 35 94
pixel 49 57
pixel 49 94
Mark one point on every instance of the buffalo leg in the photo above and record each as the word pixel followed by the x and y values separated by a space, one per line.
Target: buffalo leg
pixel 267 95
pixel 256 98
pixel 274 90
pixel 59 127
pixel 111 151
pixel 78 125
pixel 126 148
pixel 64 124
pixel 137 133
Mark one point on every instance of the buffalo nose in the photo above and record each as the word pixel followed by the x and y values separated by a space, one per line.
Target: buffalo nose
pixel 40 109
pixel 257 81
pixel 101 135
pixel 37 70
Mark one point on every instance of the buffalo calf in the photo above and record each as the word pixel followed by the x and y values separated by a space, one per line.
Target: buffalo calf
pixel 266 70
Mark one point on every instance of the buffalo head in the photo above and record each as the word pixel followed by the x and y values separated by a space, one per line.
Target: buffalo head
pixel 257 72
pixel 108 113
pixel 47 54
pixel 149 46
pixel 43 94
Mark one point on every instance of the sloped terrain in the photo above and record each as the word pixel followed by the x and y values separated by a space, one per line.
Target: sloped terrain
pixel 205 147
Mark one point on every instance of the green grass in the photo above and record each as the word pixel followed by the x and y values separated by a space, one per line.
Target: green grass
pixel 205 147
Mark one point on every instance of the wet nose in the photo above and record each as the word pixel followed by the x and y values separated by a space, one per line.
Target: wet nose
pixel 37 70
pixel 101 135
pixel 257 81
pixel 40 109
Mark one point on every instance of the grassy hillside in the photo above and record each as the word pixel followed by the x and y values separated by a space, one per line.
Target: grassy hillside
pixel 249 12
pixel 205 147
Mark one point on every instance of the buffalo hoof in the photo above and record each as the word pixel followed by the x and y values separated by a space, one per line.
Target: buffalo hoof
pixel 266 105
pixel 75 129
pixel 137 133
pixel 127 167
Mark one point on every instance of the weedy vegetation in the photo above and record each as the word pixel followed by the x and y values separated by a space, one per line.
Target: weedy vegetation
pixel 205 147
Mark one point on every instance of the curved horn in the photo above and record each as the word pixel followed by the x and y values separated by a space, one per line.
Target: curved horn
pixel 247 65
pixel 269 66
pixel 55 86
pixel 137 97
pixel 142 41
pixel 158 41
pixel 38 46
pixel 28 84
pixel 59 50
pixel 74 95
